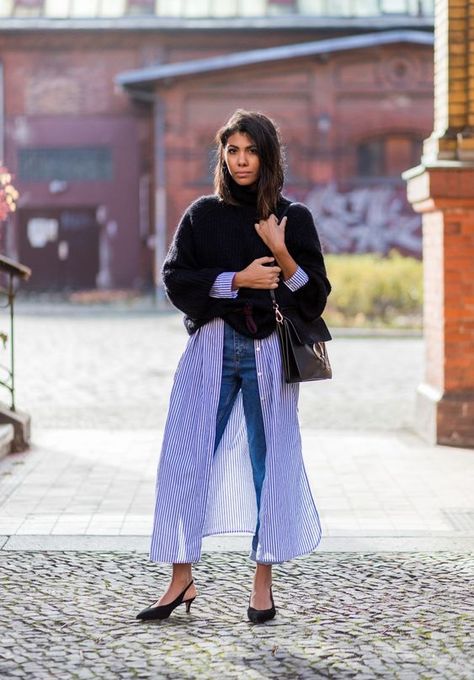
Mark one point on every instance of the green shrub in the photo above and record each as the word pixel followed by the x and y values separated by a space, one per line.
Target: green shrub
pixel 371 290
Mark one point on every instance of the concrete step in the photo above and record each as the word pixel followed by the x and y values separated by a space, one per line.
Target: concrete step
pixel 21 423
pixel 7 434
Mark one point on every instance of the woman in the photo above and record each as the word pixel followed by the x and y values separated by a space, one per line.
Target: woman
pixel 231 457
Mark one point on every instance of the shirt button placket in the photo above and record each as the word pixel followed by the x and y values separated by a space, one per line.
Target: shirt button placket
pixel 259 373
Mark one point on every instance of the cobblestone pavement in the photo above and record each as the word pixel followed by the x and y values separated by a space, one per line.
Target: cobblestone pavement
pixel 110 370
pixel 379 615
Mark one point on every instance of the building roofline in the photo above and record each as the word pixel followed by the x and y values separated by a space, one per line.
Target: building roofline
pixel 156 23
pixel 224 62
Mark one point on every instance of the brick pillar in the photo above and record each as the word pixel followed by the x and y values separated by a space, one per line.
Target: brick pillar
pixel 442 190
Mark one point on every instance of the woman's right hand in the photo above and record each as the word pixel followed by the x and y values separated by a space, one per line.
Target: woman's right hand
pixel 258 275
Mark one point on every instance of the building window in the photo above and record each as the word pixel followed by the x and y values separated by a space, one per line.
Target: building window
pixel 354 8
pixel 215 8
pixel 27 8
pixel 388 156
pixel 371 158
pixel 67 163
pixel 281 7
pixel 140 7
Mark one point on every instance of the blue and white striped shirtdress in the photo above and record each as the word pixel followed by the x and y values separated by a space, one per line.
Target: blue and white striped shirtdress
pixel 199 493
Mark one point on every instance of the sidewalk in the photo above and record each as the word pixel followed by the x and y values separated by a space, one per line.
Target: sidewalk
pixel 373 490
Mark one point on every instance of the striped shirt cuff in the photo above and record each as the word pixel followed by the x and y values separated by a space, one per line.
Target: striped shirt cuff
pixel 222 287
pixel 298 280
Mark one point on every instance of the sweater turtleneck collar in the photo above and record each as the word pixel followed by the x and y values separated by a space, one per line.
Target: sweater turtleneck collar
pixel 244 195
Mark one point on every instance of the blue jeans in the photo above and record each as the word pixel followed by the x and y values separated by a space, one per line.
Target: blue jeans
pixel 239 372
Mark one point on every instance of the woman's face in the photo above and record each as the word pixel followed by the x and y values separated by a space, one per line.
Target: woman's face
pixel 242 159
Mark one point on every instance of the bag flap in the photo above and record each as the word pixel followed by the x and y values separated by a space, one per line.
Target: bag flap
pixel 293 331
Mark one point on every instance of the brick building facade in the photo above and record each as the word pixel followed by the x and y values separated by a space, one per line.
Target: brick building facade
pixel 108 146
pixel 441 189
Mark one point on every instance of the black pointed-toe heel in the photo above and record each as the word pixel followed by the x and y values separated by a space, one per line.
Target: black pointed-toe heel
pixel 162 611
pixel 262 615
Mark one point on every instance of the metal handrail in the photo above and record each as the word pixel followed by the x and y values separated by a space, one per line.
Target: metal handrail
pixel 13 270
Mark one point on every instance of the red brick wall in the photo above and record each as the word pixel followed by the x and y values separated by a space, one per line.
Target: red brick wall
pixel 60 90
pixel 444 195
pixel 360 93
pixel 65 95
pixel 459 298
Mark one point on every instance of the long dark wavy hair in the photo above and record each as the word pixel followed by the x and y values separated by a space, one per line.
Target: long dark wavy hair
pixel 266 137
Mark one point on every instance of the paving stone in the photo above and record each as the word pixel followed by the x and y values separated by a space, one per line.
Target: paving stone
pixel 128 387
pixel 411 617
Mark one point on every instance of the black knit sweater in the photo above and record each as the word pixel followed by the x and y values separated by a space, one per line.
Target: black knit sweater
pixel 214 237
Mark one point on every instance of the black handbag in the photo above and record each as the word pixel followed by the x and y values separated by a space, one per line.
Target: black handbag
pixel 302 361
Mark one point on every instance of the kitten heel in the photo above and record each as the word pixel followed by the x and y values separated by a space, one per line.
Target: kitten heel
pixel 164 610
pixel 188 604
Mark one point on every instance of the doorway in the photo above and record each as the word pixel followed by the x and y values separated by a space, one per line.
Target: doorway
pixel 61 245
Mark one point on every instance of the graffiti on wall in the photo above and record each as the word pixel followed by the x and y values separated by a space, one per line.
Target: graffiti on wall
pixel 365 219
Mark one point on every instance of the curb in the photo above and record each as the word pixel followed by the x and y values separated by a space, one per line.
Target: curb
pixel 7 434
pixel 414 543
pixel 149 308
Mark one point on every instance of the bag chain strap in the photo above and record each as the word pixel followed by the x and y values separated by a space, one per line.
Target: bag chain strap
pixel 276 307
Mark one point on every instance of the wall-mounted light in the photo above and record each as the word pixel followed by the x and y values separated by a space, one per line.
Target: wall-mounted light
pixel 324 122
pixel 58 186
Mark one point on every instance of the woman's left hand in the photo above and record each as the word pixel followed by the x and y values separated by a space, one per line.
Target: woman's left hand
pixel 272 233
